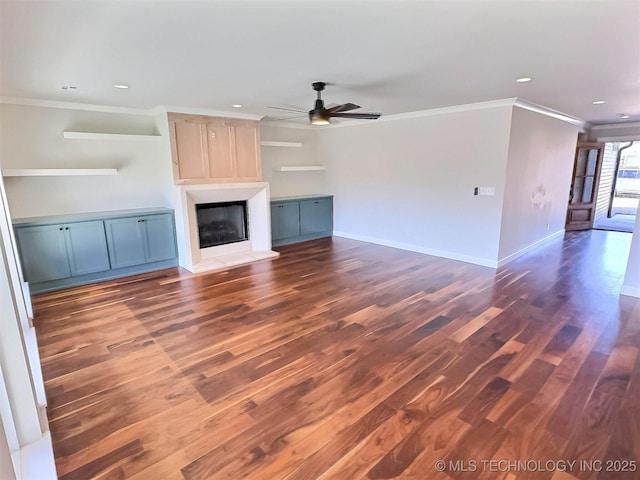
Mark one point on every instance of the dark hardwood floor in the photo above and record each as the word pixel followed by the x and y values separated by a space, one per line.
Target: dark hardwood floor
pixel 346 360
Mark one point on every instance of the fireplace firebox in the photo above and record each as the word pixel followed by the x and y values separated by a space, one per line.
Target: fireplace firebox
pixel 222 223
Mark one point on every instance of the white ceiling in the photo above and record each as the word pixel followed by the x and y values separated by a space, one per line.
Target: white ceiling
pixel 392 56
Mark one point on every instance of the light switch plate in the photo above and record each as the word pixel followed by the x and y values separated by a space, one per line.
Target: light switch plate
pixel 487 191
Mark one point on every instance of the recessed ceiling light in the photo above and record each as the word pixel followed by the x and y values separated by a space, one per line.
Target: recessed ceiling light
pixel 598 102
pixel 523 79
pixel 623 115
pixel 236 105
pixel 121 86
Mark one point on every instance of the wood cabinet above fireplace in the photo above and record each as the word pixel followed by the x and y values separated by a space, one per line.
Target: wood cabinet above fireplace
pixel 214 149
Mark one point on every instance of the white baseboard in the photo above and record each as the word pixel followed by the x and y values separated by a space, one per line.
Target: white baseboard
pixel 484 262
pixel 630 291
pixel 527 249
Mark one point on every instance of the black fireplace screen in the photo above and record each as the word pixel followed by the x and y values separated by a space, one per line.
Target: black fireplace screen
pixel 222 223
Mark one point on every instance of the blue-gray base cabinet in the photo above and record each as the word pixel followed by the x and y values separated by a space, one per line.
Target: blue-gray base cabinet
pixel 298 219
pixel 69 250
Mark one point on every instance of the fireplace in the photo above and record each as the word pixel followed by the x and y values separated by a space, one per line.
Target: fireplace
pixel 221 223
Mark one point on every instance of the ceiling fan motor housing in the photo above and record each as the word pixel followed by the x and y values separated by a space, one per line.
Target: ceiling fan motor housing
pixel 318 86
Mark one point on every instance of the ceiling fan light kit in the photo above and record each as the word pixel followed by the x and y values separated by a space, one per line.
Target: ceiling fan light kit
pixel 317 118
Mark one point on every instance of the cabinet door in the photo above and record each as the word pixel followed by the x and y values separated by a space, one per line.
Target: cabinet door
pixel 190 143
pixel 316 216
pixel 126 242
pixel 43 253
pixel 285 220
pixel 86 247
pixel 159 236
pixel 219 139
pixel 248 152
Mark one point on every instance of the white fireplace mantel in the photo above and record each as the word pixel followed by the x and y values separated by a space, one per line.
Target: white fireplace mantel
pixel 258 246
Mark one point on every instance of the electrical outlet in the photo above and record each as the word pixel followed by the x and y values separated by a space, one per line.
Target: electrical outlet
pixel 487 191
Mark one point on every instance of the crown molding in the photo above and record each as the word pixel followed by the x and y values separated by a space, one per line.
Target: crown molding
pixel 623 138
pixel 506 102
pixel 549 112
pixel 160 109
pixel 34 102
pixel 163 109
pixel 209 112
pixel 403 116
pixel 428 113
pixel 616 126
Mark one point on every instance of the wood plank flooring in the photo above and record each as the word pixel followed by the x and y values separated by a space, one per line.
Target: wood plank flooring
pixel 346 360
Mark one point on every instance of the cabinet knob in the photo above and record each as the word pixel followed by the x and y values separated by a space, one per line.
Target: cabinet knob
pixel 66 228
pixel 61 229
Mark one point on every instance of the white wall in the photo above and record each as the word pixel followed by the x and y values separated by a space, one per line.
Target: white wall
pixel 409 183
pixel 631 284
pixel 539 169
pixel 31 137
pixel 284 184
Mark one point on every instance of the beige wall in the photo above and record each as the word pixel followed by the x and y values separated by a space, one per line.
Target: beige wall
pixel 541 152
pixel 31 137
pixel 409 183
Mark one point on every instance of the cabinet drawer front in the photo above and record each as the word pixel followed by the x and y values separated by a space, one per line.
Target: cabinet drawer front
pixel 159 237
pixel 126 244
pixel 43 253
pixel 316 216
pixel 87 247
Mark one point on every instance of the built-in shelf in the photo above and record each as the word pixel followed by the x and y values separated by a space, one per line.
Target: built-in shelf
pixel 266 143
pixel 108 136
pixel 301 168
pixel 56 172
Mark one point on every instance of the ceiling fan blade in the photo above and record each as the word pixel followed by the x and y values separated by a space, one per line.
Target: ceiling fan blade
pixel 343 108
pixel 297 110
pixel 287 118
pixel 364 116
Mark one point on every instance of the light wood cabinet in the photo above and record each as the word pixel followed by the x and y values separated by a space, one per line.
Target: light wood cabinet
pixel 214 149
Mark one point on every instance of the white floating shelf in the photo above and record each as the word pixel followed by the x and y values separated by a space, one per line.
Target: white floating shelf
pixel 57 172
pixel 108 136
pixel 301 168
pixel 266 143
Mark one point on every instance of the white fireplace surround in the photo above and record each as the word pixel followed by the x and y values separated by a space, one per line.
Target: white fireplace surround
pixel 219 257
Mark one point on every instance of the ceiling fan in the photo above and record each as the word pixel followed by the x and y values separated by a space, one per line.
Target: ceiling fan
pixel 320 115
